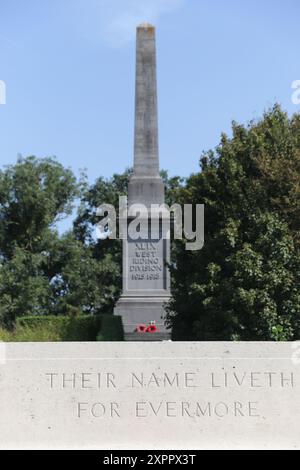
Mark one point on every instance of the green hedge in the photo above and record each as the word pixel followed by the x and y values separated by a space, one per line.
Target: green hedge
pixel 111 329
pixel 64 328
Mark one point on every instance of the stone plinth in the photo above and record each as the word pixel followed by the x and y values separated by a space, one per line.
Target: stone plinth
pixel 146 283
pixel 158 395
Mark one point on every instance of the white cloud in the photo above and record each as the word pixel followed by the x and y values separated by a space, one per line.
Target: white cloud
pixel 123 19
pixel 116 20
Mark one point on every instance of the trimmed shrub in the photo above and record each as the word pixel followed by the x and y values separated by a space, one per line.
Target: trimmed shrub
pixel 23 334
pixel 5 335
pixel 64 328
pixel 38 334
pixel 111 329
pixel 58 328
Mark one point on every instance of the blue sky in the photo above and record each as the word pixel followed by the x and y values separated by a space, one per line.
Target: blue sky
pixel 69 70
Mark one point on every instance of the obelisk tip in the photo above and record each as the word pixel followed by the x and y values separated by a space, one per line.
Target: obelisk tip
pixel 145 25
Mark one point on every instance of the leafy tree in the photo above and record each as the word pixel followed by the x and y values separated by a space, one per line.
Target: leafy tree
pixel 24 288
pixel 103 191
pixel 81 281
pixel 244 283
pixel 105 253
pixel 40 271
pixel 34 195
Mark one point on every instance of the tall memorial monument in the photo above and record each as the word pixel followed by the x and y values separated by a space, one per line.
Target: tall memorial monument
pixel 146 280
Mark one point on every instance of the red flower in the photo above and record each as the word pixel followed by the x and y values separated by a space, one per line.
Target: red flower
pixel 151 329
pixel 141 328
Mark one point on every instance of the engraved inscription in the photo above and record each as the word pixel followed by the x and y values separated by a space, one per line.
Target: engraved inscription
pixel 146 262
pixel 202 395
pixel 145 265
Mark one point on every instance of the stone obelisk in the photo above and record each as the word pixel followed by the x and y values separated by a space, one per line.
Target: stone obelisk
pixel 146 280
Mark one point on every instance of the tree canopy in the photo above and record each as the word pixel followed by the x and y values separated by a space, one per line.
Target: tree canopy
pixel 41 271
pixel 244 283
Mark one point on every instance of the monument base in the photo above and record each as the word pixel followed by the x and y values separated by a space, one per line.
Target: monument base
pixel 147 336
pixel 142 310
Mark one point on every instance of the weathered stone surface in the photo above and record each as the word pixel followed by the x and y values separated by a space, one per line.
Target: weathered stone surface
pixel 165 395
pixel 146 185
pixel 146 127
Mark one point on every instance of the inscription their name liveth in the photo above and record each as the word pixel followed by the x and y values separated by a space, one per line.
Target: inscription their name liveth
pixel 166 380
